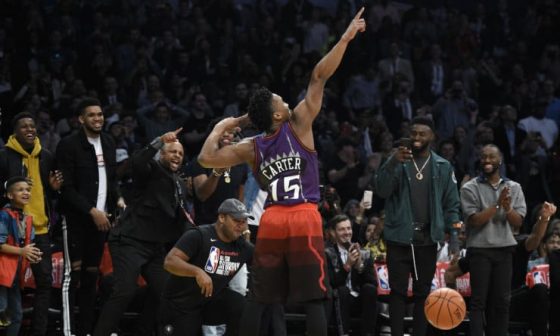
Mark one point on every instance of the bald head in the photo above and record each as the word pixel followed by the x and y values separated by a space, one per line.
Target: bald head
pixel 171 156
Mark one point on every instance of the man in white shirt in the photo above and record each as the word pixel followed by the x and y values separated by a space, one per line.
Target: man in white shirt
pixel 87 159
pixel 538 123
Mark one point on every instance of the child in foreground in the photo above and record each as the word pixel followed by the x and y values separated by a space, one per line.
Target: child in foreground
pixel 16 251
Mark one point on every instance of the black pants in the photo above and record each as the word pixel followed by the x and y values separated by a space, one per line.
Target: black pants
pixel 85 247
pixel 224 308
pixel 400 264
pixel 365 306
pixel 532 306
pixel 491 270
pixel 42 272
pixel 554 262
pixel 130 259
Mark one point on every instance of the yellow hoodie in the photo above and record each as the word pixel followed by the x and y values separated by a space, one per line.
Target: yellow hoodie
pixel 36 206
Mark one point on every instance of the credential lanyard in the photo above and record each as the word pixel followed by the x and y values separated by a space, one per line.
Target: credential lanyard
pixel 181 200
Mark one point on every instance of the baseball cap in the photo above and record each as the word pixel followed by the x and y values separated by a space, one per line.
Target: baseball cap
pixel 235 209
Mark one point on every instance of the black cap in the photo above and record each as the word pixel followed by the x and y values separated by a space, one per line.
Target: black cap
pixel 423 120
pixel 235 209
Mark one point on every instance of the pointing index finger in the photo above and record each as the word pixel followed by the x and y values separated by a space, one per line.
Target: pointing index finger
pixel 177 131
pixel 359 15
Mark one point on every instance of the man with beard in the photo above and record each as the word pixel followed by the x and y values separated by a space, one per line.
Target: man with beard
pixel 87 160
pixel 531 305
pixel 213 186
pixel 493 207
pixel 422 204
pixel 202 263
pixel 352 275
pixel 25 156
pixel 154 219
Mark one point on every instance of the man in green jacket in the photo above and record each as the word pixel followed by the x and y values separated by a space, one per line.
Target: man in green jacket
pixel 422 204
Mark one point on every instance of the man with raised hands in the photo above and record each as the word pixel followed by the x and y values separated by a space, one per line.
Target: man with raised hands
pixel 289 261
pixel 154 219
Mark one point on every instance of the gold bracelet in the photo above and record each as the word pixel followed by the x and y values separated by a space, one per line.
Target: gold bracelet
pixel 547 218
pixel 215 173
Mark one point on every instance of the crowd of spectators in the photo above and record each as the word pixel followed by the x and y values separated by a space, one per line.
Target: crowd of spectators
pixel 485 72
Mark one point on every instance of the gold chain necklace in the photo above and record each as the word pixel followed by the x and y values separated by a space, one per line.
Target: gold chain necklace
pixel 419 175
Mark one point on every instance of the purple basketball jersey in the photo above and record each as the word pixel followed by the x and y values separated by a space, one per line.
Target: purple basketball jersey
pixel 286 169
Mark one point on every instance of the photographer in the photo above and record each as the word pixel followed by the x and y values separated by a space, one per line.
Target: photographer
pixel 351 274
pixel 330 202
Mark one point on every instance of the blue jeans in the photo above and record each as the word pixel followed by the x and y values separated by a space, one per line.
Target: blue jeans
pixel 10 301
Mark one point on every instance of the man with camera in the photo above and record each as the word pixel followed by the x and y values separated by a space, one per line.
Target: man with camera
pixel 422 204
pixel 351 274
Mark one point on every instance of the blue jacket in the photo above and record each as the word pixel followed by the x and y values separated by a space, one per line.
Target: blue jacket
pixel 393 184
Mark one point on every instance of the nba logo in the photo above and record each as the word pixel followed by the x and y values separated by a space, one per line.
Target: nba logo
pixel 383 277
pixel 213 259
pixel 435 284
pixel 538 278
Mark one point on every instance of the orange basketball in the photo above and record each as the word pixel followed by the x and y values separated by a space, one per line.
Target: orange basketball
pixel 445 308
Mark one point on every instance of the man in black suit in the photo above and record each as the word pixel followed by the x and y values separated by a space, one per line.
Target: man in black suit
pixel 112 94
pixel 351 275
pixel 432 77
pixel 87 160
pixel 398 107
pixel 155 218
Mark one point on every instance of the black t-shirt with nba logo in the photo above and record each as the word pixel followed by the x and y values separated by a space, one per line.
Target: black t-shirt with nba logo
pixel 219 260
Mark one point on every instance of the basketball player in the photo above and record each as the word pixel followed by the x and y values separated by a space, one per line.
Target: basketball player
pixel 289 257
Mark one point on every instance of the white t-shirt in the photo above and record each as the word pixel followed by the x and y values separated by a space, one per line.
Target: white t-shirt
pixel 547 127
pixel 102 185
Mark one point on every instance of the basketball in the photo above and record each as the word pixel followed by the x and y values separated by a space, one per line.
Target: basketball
pixel 445 308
